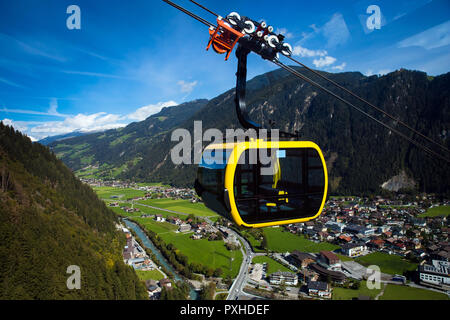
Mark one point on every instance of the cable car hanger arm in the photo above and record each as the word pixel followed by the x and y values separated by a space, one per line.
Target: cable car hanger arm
pixel 242 52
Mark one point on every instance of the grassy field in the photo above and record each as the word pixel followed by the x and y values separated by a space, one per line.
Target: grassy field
pixel 396 292
pixel 437 211
pixel 391 264
pixel 123 194
pixel 221 296
pixel 282 241
pixel 158 227
pixel 272 265
pixel 184 206
pixel 151 274
pixel 122 213
pixel 349 294
pixel 256 243
pixel 213 254
pixel 144 210
pixel 344 258
pixel 152 184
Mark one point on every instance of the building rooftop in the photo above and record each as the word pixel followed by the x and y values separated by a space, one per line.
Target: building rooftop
pixel 318 285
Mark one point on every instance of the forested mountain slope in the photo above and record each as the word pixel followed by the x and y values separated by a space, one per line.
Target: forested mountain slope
pixel 49 220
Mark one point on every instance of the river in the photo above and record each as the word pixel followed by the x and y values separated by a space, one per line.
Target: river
pixel 194 295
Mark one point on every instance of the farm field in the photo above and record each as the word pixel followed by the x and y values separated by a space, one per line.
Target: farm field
pixel 272 265
pixel 396 292
pixel 151 274
pixel 437 211
pixel 183 206
pixel 157 227
pixel 152 184
pixel 143 210
pixel 122 213
pixel 282 241
pixel 105 193
pixel 165 214
pixel 213 254
pixel 391 264
pixel 349 294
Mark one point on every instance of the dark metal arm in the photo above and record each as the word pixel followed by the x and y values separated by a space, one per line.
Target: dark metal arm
pixel 241 84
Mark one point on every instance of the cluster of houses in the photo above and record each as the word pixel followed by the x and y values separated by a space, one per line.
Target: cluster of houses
pixel 199 229
pixel 360 228
pixel 155 287
pixel 134 255
pixel 154 192
pixel 314 271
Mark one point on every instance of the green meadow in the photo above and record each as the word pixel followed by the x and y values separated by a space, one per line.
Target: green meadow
pixel 213 254
pixel 350 294
pixel 183 206
pixel 157 227
pixel 279 240
pixel 437 211
pixel 391 264
pixel 122 194
pixel 148 275
pixel 272 265
pixel 397 292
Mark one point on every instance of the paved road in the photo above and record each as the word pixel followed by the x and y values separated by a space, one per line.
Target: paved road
pixel 236 289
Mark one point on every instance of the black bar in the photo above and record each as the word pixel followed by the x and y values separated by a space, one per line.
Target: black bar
pixel 189 13
pixel 204 8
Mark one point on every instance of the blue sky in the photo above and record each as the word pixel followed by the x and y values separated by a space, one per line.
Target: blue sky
pixel 129 59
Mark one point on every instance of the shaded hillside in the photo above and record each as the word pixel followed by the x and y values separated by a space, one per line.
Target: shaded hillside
pixel 361 154
pixel 49 220
pixel 61 137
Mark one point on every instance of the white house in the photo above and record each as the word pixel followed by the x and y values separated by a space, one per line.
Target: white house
pixel 438 273
pixel 354 249
pixel 287 278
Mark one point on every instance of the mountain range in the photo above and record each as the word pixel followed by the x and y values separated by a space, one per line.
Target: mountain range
pixel 362 156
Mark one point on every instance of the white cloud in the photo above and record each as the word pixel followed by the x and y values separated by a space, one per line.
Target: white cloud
pixel 336 31
pixel 81 122
pixel 304 52
pixel 84 123
pixel 187 87
pixel 381 72
pixel 324 62
pixel 18 125
pixel 435 37
pixel 340 67
pixel 384 72
pixel 146 111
